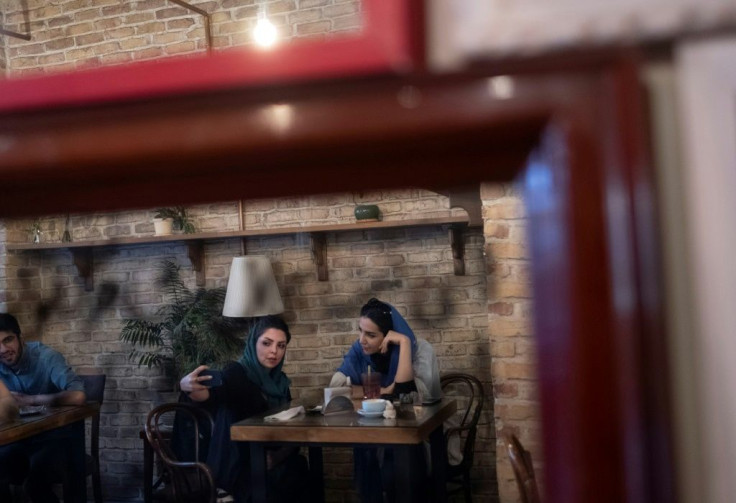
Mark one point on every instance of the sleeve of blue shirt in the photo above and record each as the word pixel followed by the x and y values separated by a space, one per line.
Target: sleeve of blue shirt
pixel 62 374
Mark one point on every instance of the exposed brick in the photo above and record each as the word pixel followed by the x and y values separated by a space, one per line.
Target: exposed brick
pixel 511 370
pixel 88 39
pixel 345 23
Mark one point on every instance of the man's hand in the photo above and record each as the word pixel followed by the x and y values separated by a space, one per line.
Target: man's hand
pixel 69 397
pixel 22 399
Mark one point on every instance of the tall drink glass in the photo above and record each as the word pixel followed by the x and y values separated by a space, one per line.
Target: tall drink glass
pixel 371 384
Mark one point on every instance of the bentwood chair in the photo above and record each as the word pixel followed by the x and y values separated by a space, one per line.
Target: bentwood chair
pixel 468 391
pixel 521 461
pixel 186 481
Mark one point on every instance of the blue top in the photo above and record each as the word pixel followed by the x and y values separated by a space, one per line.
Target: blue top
pixel 41 370
pixel 356 362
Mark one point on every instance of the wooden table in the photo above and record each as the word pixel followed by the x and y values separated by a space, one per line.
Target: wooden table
pixel 52 418
pixel 413 425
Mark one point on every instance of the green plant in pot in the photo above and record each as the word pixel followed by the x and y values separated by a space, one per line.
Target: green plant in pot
pixel 191 330
pixel 180 217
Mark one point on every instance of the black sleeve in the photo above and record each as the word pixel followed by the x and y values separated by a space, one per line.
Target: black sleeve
pixel 238 393
pixel 404 387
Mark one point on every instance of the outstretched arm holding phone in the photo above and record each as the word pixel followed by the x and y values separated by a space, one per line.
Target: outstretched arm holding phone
pixel 197 383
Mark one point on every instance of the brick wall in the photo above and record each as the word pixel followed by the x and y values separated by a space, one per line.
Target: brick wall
pixel 3 62
pixel 411 268
pixel 70 34
pixel 510 328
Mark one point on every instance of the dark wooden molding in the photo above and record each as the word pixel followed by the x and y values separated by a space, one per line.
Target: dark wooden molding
pixel 319 254
pixel 195 251
pixel 457 242
pixel 84 261
pixel 82 250
pixel 467 198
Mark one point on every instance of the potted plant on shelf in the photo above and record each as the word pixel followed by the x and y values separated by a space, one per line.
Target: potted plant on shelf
pixel 35 231
pixel 179 218
pixel 191 330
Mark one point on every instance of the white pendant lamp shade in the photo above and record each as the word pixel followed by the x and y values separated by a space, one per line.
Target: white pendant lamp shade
pixel 252 289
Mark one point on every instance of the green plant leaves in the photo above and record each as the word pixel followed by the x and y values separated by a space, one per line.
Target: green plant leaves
pixel 191 330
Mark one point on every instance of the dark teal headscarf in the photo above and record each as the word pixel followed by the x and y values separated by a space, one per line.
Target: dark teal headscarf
pixel 273 383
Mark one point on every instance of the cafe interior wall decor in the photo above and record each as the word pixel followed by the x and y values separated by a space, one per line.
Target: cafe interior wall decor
pixel 411 268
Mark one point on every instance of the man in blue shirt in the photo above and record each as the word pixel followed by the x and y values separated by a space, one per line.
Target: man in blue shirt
pixel 35 374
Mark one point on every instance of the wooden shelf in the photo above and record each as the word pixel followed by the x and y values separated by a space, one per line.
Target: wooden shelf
pixel 82 250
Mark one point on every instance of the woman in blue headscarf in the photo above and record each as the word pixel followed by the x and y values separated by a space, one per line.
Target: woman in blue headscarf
pixel 250 386
pixel 387 345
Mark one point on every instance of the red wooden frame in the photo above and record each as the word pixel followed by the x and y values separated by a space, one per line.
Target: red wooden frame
pixel 391 41
pixel 602 353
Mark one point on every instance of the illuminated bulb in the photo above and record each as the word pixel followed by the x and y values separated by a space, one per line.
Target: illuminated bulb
pixel 501 87
pixel 264 33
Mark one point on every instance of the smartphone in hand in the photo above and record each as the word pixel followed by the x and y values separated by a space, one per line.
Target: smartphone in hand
pixel 216 378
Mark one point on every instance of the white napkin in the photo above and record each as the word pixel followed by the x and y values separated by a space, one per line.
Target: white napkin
pixel 285 415
pixel 389 412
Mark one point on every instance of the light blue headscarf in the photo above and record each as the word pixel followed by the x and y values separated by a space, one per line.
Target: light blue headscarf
pixel 356 361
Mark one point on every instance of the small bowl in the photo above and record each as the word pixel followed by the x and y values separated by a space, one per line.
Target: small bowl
pixel 374 405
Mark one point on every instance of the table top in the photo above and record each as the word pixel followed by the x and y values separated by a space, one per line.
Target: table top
pixel 49 419
pixel 412 425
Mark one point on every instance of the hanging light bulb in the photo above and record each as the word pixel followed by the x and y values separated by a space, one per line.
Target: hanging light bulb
pixel 264 33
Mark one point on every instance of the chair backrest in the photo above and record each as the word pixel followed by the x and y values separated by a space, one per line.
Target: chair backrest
pixel 94 388
pixel 188 480
pixel 521 461
pixel 469 392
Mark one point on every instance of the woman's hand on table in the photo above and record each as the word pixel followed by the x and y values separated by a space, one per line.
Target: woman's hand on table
pixel 193 384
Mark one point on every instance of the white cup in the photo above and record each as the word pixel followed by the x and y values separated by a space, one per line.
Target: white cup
pixel 374 405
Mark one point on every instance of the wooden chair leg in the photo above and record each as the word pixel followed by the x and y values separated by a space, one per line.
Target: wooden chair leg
pixel 97 485
pixel 467 488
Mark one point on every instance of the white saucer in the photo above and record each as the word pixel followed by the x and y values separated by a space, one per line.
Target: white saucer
pixel 365 413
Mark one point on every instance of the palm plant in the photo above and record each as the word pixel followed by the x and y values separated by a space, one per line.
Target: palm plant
pixel 192 331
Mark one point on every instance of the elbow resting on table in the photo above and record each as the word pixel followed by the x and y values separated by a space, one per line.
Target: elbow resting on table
pixel 8 409
pixel 70 398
